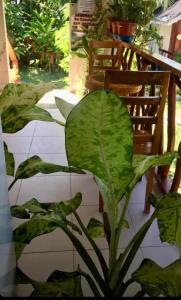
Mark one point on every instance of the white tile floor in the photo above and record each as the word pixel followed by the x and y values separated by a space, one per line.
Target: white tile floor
pixel 55 251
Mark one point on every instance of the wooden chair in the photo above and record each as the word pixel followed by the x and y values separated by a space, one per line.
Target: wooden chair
pixel 146 111
pixel 106 55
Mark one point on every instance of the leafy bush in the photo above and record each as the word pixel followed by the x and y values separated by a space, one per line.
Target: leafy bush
pixel 31 27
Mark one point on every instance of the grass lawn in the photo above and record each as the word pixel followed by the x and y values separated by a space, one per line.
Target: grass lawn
pixel 36 76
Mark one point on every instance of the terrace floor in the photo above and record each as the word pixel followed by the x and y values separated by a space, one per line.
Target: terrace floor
pixel 54 251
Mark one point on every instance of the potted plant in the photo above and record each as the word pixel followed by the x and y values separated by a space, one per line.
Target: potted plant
pixel 126 15
pixel 93 133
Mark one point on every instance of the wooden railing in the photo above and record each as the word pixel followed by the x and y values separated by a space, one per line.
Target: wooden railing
pixel 153 61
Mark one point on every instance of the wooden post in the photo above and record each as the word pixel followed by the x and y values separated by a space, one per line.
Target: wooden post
pixel 4 61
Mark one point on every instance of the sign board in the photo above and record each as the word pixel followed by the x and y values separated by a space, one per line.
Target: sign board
pixel 78 23
pixel 86 7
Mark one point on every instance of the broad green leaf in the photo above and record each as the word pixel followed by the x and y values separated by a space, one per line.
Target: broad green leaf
pixel 157 281
pixel 35 165
pixel 18 116
pixel 19 94
pixel 64 107
pixel 29 230
pixel 169 218
pixel 70 287
pixel 69 206
pixel 97 141
pixel 19 247
pixel 10 163
pixel 143 163
pixel 30 207
pixel 58 284
pixel 95 228
pixel 34 207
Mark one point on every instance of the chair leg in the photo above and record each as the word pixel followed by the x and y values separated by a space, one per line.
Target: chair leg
pixel 149 187
pixel 101 204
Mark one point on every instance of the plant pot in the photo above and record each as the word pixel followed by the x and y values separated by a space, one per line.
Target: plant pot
pixel 123 31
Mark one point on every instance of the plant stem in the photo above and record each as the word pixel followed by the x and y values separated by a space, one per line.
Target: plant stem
pixel 11 185
pixel 87 259
pixel 139 236
pixel 91 283
pixel 97 250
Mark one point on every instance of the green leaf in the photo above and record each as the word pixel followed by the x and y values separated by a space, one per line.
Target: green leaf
pixel 10 163
pixel 97 141
pixel 30 207
pixel 95 228
pixel 157 281
pixel 18 116
pixel 169 218
pixel 18 247
pixel 34 207
pixel 70 287
pixel 46 218
pixel 142 163
pixel 35 165
pixel 69 206
pixel 64 106
pixel 19 94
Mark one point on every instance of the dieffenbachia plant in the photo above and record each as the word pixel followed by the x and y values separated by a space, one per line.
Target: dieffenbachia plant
pixel 18 108
pixel 99 139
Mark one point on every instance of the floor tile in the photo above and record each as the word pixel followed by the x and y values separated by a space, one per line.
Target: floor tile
pixel 45 189
pixel 49 129
pixel 56 114
pixel 54 241
pixel 87 186
pixel 48 145
pixel 19 158
pixel 138 194
pixel 18 145
pixel 28 130
pixel 139 218
pixel 40 265
pixel 161 255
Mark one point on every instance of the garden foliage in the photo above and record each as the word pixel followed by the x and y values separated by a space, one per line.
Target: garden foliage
pixel 98 133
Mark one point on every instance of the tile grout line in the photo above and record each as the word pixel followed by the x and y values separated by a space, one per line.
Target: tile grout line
pixel 27 154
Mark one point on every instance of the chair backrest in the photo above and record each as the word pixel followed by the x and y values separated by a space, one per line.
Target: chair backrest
pixel 146 109
pixel 104 55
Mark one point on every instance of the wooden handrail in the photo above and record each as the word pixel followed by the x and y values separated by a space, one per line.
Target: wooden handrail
pixel 155 61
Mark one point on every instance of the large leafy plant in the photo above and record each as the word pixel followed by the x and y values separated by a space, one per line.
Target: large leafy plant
pixel 99 139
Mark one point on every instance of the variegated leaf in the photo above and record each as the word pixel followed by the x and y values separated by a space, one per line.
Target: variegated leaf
pixel 169 218
pixel 64 107
pixel 142 163
pixel 96 140
pixel 34 207
pixel 17 117
pixel 10 163
pixel 35 165
pixel 24 93
pixel 95 228
pixel 157 281
pixel 69 287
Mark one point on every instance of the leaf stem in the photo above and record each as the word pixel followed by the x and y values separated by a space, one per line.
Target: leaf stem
pixel 11 185
pixel 97 250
